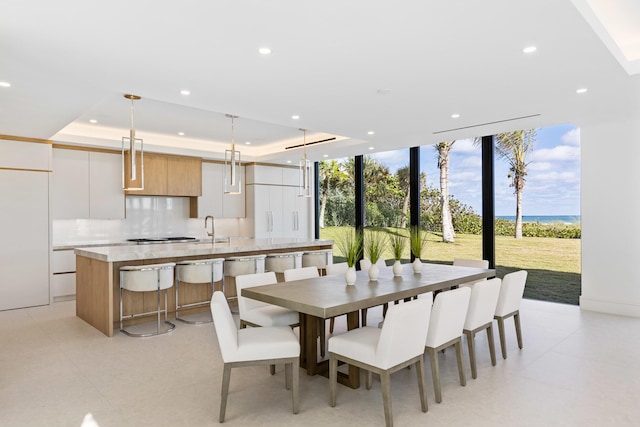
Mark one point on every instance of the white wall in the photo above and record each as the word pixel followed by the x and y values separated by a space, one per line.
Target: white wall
pixel 610 154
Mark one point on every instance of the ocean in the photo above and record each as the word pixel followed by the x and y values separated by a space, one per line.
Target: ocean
pixel 545 219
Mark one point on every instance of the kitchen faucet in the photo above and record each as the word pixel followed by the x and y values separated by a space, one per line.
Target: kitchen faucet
pixel 213 227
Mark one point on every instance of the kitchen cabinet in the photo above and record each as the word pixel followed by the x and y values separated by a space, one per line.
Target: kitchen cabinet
pixel 166 175
pixel 268 211
pixel 63 277
pixel 87 185
pixel 24 247
pixel 213 200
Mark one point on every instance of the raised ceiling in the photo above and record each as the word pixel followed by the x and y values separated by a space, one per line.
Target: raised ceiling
pixel 398 69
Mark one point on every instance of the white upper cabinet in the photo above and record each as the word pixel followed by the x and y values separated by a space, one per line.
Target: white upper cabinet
pixel 87 185
pixel 213 200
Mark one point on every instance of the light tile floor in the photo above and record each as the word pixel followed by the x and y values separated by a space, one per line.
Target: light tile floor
pixel 577 368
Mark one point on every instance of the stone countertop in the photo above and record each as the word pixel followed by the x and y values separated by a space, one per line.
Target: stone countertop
pixel 176 250
pixel 89 244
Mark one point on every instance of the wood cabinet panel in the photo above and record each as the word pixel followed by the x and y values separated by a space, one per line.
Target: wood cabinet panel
pixel 166 176
pixel 184 176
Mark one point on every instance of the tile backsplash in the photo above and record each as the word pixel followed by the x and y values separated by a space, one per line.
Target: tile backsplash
pixel 147 216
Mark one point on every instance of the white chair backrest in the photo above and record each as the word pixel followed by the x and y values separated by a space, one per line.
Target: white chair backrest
pixel 226 330
pixel 338 268
pixel 447 316
pixel 300 273
pixel 482 304
pixel 144 278
pixel 428 295
pixel 511 292
pixel 475 263
pixel 365 264
pixel 200 271
pixel 403 332
pixel 247 281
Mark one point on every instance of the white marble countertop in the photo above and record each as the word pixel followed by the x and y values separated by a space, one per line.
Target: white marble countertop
pixel 176 250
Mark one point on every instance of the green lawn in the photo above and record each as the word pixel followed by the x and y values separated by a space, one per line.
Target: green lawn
pixel 553 264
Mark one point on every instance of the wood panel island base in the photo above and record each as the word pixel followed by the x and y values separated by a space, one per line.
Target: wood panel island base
pixel 98 275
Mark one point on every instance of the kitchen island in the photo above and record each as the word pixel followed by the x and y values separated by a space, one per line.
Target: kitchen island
pixel 98 278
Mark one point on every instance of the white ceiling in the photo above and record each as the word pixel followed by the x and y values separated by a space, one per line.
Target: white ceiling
pixel 400 69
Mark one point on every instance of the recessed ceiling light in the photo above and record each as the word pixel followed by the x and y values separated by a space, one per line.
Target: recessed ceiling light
pixel 5 84
pixel 325 155
pixel 94 121
pixel 529 49
pixel 295 117
pixel 181 133
pixel 370 132
pixel 185 92
pixel 455 116
pixel 288 161
pixel 581 90
pixel 248 142
pixel 371 148
pixel 264 50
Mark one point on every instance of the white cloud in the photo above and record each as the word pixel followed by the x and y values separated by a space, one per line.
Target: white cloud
pixel 465 146
pixel 474 162
pixel 556 176
pixel 559 153
pixel 539 166
pixel 572 137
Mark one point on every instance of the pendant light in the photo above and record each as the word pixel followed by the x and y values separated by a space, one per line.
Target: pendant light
pixel 232 182
pixel 305 171
pixel 131 144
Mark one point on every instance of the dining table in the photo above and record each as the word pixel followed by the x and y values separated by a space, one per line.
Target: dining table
pixel 325 297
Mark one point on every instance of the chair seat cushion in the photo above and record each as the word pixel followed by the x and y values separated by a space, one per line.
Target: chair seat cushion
pixel 265 343
pixel 359 344
pixel 271 315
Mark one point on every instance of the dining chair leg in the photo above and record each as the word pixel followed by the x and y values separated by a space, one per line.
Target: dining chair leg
pixel 295 386
pixel 492 345
pixel 385 380
pixel 333 379
pixel 369 380
pixel 331 324
pixel 472 353
pixel 458 345
pixel 226 377
pixel 420 374
pixel 516 320
pixel 287 376
pixel 322 333
pixel 433 356
pixel 503 342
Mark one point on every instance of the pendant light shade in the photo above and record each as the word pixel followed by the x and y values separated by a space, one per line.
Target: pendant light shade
pixel 232 182
pixel 305 171
pixel 133 178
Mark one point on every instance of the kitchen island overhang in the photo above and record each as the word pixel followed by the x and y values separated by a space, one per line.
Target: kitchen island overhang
pixel 98 279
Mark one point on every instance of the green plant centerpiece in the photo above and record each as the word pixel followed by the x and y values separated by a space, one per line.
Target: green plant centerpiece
pixel 374 246
pixel 417 242
pixel 397 242
pixel 350 244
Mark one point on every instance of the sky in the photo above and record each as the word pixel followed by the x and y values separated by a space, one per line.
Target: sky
pixel 552 185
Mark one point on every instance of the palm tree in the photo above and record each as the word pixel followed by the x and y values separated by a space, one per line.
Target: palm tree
pixel 514 147
pixel 403 181
pixel 444 149
pixel 331 177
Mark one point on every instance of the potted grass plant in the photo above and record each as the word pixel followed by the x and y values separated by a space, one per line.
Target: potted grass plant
pixel 397 242
pixel 417 242
pixel 350 244
pixel 374 246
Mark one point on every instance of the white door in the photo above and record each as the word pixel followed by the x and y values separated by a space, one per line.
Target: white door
pixel 24 246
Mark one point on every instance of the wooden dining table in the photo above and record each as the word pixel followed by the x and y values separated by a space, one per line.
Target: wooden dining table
pixel 329 296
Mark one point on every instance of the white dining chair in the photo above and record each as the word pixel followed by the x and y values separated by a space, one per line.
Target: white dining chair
pixel 511 293
pixel 469 262
pixel 258 313
pixel 253 346
pixel 384 351
pixel 336 268
pixel 482 306
pixel 365 265
pixel 445 329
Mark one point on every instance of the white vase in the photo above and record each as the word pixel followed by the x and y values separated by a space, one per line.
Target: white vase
pixel 397 268
pixel 374 272
pixel 350 276
pixel 417 265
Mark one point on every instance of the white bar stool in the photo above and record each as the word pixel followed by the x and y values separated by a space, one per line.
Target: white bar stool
pixel 147 278
pixel 319 259
pixel 238 266
pixel 200 272
pixel 280 262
